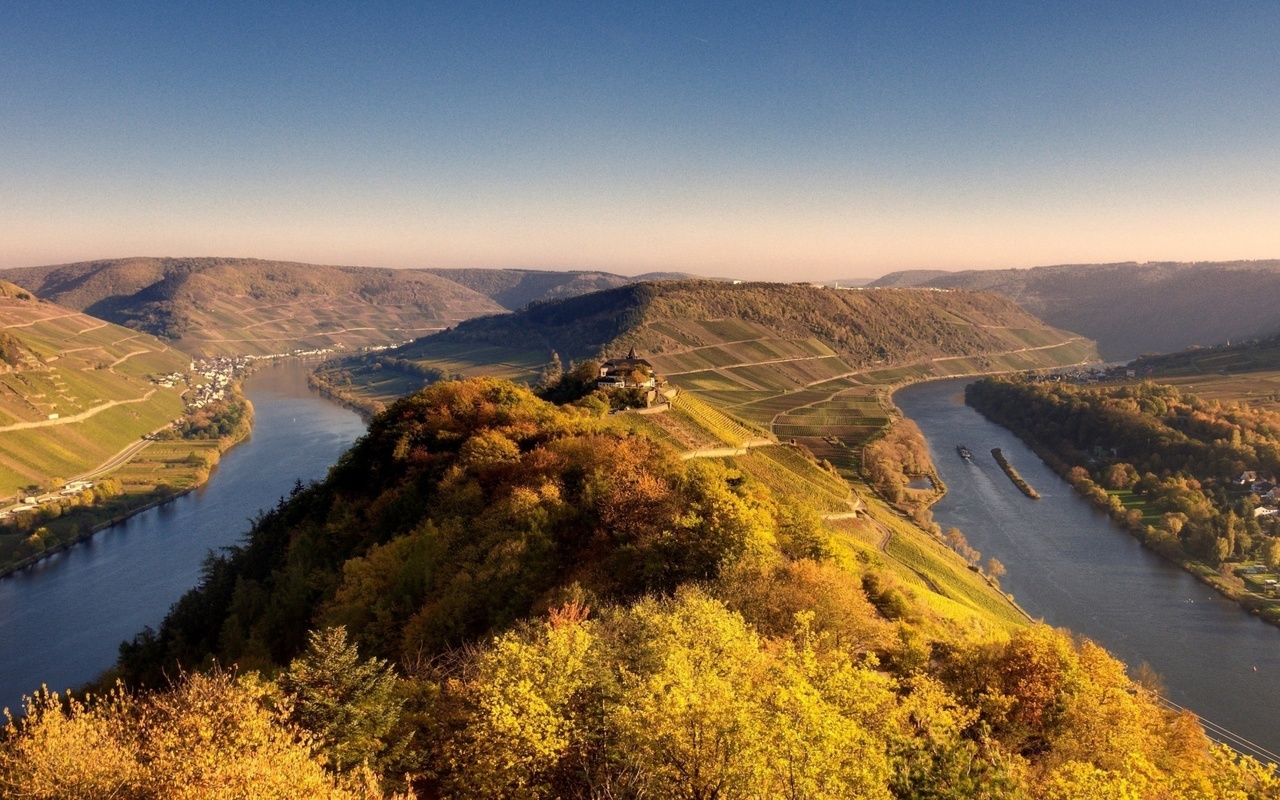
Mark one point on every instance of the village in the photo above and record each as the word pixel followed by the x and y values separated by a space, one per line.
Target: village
pixel 208 380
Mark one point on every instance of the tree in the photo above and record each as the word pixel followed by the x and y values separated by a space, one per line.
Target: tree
pixel 995 570
pixel 349 705
pixel 1272 554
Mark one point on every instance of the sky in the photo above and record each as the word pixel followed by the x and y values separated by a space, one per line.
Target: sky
pixel 751 140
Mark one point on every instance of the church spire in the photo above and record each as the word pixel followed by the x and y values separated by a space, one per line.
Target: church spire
pixel 631 354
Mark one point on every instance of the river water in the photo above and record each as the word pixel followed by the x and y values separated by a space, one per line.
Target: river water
pixel 1071 566
pixel 62 620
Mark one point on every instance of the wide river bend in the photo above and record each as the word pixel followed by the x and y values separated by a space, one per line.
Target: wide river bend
pixel 1071 566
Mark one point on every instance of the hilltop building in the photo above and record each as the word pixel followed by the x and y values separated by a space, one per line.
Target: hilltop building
pixel 631 372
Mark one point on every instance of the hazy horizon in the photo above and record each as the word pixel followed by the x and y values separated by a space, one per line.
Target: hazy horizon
pixel 738 140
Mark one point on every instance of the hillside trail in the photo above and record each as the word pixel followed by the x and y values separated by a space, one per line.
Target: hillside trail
pixel 81 417
pixel 727 452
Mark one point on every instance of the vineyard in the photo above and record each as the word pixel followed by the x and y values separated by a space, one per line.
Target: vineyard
pixel 789 471
pixel 725 428
pixel 941 569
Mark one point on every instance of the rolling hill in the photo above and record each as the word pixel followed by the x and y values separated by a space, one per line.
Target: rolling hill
pixel 1131 308
pixel 553 605
pixel 222 306
pixel 802 362
pixel 516 288
pixel 74 390
pixel 244 306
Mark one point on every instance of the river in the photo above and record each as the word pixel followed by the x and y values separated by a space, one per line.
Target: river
pixel 1071 566
pixel 62 620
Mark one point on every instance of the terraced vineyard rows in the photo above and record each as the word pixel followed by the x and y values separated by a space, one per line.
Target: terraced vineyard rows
pixel 788 471
pixel 724 427
pixel 677 430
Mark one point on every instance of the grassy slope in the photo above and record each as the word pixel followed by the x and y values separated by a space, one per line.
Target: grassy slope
pixel 212 306
pixel 74 364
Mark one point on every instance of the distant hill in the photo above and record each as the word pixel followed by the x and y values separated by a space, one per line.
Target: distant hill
pixel 516 288
pixel 1132 308
pixel 74 390
pixel 225 306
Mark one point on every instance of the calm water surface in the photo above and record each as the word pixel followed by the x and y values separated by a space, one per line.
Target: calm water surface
pixel 62 620
pixel 1070 565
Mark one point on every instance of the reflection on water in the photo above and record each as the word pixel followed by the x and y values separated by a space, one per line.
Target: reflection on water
pixel 1069 565
pixel 62 620
pixel 922 482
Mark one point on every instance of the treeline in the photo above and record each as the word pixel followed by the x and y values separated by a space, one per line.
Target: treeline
pixel 1176 455
pixel 891 460
pixel 863 327
pixel 230 418
pixel 492 596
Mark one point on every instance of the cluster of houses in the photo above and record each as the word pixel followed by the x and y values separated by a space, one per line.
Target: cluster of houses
pixel 1264 486
pixel 28 503
pixel 1084 376
pixel 219 372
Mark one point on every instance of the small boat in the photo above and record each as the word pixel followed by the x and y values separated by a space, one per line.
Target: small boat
pixel 964 452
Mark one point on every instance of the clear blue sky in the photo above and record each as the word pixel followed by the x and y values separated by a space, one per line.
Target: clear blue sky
pixel 744 139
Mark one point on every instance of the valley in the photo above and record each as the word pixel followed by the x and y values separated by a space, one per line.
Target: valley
pixel 1130 309
pixel 774 401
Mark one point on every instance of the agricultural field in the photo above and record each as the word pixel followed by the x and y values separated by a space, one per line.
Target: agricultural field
pixel 75 390
pixel 40 456
pixel 1257 389
pixel 178 464
pixel 791 472
pixel 948 577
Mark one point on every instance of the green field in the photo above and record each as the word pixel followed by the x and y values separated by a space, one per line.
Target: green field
pixel 72 364
pixel 944 573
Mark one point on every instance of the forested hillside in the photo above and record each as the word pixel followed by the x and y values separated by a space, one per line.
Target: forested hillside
pixel 567 610
pixel 754 348
pixel 1131 308
pixel 516 288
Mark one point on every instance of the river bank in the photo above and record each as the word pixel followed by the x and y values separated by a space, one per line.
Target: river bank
pixel 1260 607
pixel 65 616
pixel 167 468
pixel 1068 564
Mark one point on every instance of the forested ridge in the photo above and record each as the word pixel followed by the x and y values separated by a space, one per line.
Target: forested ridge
pixel 494 596
pixel 891 325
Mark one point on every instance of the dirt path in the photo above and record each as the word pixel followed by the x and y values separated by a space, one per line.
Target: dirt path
pixel 726 452
pixel 42 319
pixel 82 416
pixel 128 356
